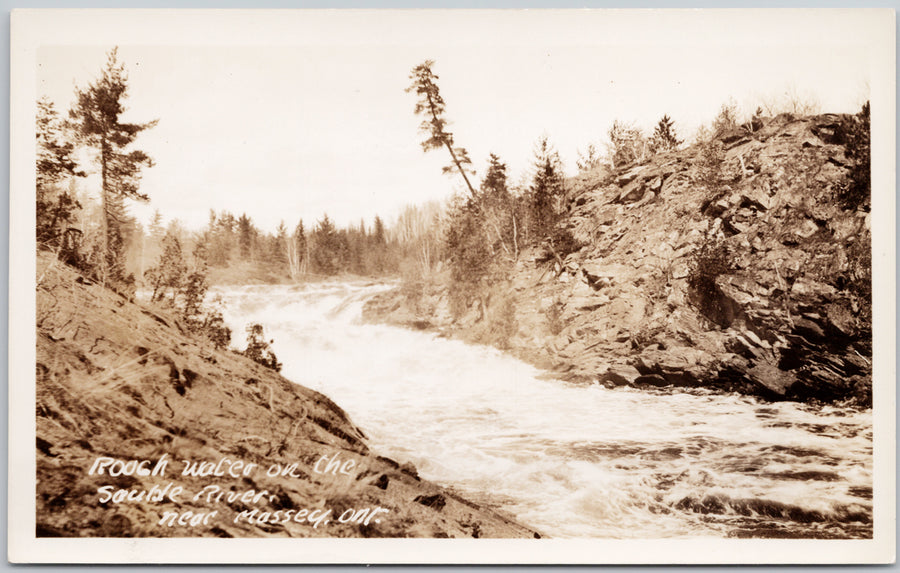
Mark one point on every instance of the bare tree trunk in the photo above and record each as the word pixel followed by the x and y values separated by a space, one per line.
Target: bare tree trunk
pixel 450 149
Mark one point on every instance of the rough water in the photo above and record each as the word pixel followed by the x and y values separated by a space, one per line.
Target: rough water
pixel 571 460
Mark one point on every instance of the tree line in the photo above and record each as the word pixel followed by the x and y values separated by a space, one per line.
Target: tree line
pixel 105 242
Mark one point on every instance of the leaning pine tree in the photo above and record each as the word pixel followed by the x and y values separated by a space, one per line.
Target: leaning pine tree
pixel 431 107
pixel 96 115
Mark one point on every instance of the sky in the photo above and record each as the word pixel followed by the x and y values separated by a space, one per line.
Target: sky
pixel 310 123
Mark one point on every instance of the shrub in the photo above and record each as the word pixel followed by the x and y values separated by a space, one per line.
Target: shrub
pixel 258 349
pixel 503 322
pixel 709 262
pixel 213 326
pixel 627 144
pixel 553 314
pixel 710 167
pixel 727 118
pixel 169 271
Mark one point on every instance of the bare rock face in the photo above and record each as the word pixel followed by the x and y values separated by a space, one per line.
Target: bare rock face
pixel 120 381
pixel 758 282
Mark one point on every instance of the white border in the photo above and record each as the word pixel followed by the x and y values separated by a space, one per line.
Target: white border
pixel 33 28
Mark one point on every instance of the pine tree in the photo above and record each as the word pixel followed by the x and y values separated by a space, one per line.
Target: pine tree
pixel 170 270
pixel 55 207
pixel 664 138
pixel 156 227
pixel 378 236
pixel 298 251
pixel 547 191
pixel 330 248
pixel 280 251
pixel 245 236
pixel 96 115
pixel 498 210
pixel 431 106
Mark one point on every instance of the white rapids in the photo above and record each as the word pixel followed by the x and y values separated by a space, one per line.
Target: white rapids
pixel 570 460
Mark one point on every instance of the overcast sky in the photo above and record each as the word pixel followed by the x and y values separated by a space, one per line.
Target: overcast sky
pixel 298 128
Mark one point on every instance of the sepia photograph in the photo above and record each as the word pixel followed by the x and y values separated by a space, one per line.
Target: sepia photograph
pixel 586 286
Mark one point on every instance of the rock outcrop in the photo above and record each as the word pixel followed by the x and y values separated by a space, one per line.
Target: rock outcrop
pixel 122 381
pixel 741 273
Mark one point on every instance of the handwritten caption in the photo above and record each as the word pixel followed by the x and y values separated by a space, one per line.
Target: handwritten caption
pixel 214 494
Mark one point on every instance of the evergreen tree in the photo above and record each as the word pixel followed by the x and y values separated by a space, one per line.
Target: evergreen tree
pixel 156 227
pixel 547 191
pixel 431 106
pixel 468 256
pixel 298 256
pixel 245 236
pixel 329 252
pixel 96 114
pixel 378 236
pixel 498 210
pixel 280 244
pixel 169 272
pixel 664 138
pixel 55 207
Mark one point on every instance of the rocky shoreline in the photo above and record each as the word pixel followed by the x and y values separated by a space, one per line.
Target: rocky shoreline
pixel 145 431
pixel 785 312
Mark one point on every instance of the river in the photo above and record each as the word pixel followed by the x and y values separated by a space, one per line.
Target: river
pixel 571 460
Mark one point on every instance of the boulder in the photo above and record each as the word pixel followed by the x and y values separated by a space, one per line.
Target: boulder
pixel 630 175
pixel 651 380
pixel 808 288
pixel 769 380
pixel 632 192
pixel 732 135
pixel 620 375
pixel 808 329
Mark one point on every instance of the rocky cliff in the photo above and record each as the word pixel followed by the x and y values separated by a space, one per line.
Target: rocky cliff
pixel 731 265
pixel 143 430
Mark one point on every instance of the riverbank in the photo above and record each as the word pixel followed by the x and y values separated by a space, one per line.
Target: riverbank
pixel 145 431
pixel 763 288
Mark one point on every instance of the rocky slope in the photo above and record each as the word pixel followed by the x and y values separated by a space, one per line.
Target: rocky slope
pixel 739 271
pixel 121 381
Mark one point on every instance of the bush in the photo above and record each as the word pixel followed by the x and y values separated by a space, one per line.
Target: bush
pixel 258 349
pixel 213 326
pixel 627 144
pixel 710 167
pixel 553 314
pixel 503 322
pixel 711 261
